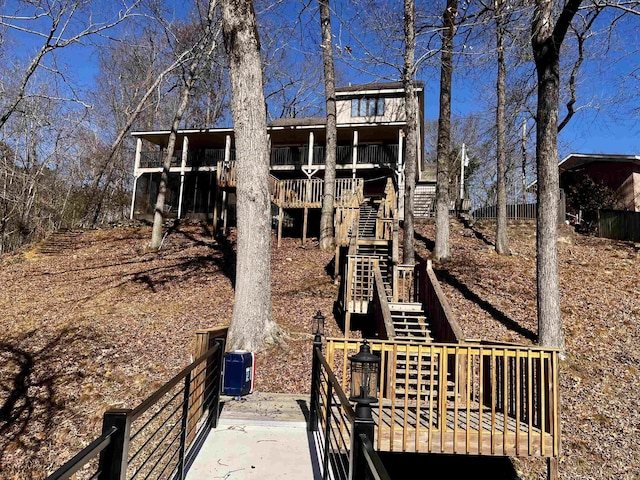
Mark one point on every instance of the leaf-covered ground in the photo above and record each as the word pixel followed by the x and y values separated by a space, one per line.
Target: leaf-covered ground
pixel 494 298
pixel 103 322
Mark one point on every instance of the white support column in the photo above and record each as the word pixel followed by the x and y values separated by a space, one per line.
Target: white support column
pixel 420 149
pixel 400 174
pixel 400 164
pixel 133 196
pixel 185 154
pixel 138 155
pixel 310 155
pixel 136 167
pixel 227 149
pixel 354 157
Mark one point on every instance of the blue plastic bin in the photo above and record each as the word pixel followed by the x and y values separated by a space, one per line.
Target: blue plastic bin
pixel 238 373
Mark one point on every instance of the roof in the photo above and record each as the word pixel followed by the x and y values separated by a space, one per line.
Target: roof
pixel 298 122
pixel 376 87
pixel 575 160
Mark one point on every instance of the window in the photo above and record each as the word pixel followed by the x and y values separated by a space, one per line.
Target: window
pixel 367 107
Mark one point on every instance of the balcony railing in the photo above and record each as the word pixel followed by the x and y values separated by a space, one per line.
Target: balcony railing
pixel 296 156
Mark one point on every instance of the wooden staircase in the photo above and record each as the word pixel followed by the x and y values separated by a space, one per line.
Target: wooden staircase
pixel 410 322
pixel 367 220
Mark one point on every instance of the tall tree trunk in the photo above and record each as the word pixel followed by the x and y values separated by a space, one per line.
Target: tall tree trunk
pixel 547 38
pixel 502 242
pixel 326 217
pixel 204 47
pixel 442 251
pixel 252 322
pixel 411 130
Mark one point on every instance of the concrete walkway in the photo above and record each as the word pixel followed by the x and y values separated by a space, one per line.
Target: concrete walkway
pixel 262 435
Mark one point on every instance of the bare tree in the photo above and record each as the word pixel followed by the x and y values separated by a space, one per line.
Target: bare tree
pixel 252 322
pixel 52 22
pixel 326 217
pixel 204 47
pixel 502 241
pixel 411 129
pixel 442 251
pixel 547 37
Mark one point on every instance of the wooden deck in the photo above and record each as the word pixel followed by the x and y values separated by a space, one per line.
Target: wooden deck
pixel 461 433
pixel 461 398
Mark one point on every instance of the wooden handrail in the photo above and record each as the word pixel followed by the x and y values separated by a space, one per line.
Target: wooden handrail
pixel 443 322
pixel 383 312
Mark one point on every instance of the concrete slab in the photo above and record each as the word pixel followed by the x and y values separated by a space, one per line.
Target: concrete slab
pixel 240 452
pixel 261 435
pixel 265 409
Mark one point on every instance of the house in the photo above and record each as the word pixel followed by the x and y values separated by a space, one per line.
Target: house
pixel 370 124
pixel 621 173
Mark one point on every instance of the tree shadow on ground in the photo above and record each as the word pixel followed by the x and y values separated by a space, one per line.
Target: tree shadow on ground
pixel 497 314
pixel 477 233
pixel 428 243
pixel 30 380
pixel 451 467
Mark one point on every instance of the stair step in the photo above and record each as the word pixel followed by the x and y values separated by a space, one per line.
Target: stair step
pixel 405 307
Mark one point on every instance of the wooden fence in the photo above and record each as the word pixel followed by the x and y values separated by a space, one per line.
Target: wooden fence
pixel 619 225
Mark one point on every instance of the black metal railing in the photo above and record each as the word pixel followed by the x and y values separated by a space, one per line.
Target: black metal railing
pixel 160 437
pixel 344 439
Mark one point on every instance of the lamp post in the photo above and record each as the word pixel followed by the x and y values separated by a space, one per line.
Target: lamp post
pixel 318 330
pixel 365 367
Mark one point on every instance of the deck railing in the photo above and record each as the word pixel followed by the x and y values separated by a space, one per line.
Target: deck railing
pixel 161 436
pixel 155 159
pixel 404 288
pixel 308 193
pixel 463 398
pixel 226 174
pixel 346 453
pixel 358 284
pixel 443 323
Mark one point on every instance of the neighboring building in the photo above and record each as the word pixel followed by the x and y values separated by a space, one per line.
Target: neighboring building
pixel 370 122
pixel 621 173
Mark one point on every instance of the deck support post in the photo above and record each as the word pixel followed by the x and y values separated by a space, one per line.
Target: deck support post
pixel 216 212
pixel 347 322
pixel 304 225
pixel 224 212
pixel 362 425
pixel 280 217
pixel 552 468
pixel 315 385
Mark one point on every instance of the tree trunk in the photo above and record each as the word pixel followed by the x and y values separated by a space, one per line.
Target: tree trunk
pixel 547 38
pixel 252 322
pixel 502 242
pixel 204 47
pixel 411 130
pixel 442 251
pixel 326 217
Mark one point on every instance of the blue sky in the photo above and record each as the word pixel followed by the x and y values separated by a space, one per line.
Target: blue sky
pixel 610 124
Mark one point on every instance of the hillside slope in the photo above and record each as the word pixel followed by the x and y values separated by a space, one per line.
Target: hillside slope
pixel 494 298
pixel 99 322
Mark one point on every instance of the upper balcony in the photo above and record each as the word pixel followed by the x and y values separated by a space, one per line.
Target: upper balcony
pixel 283 158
